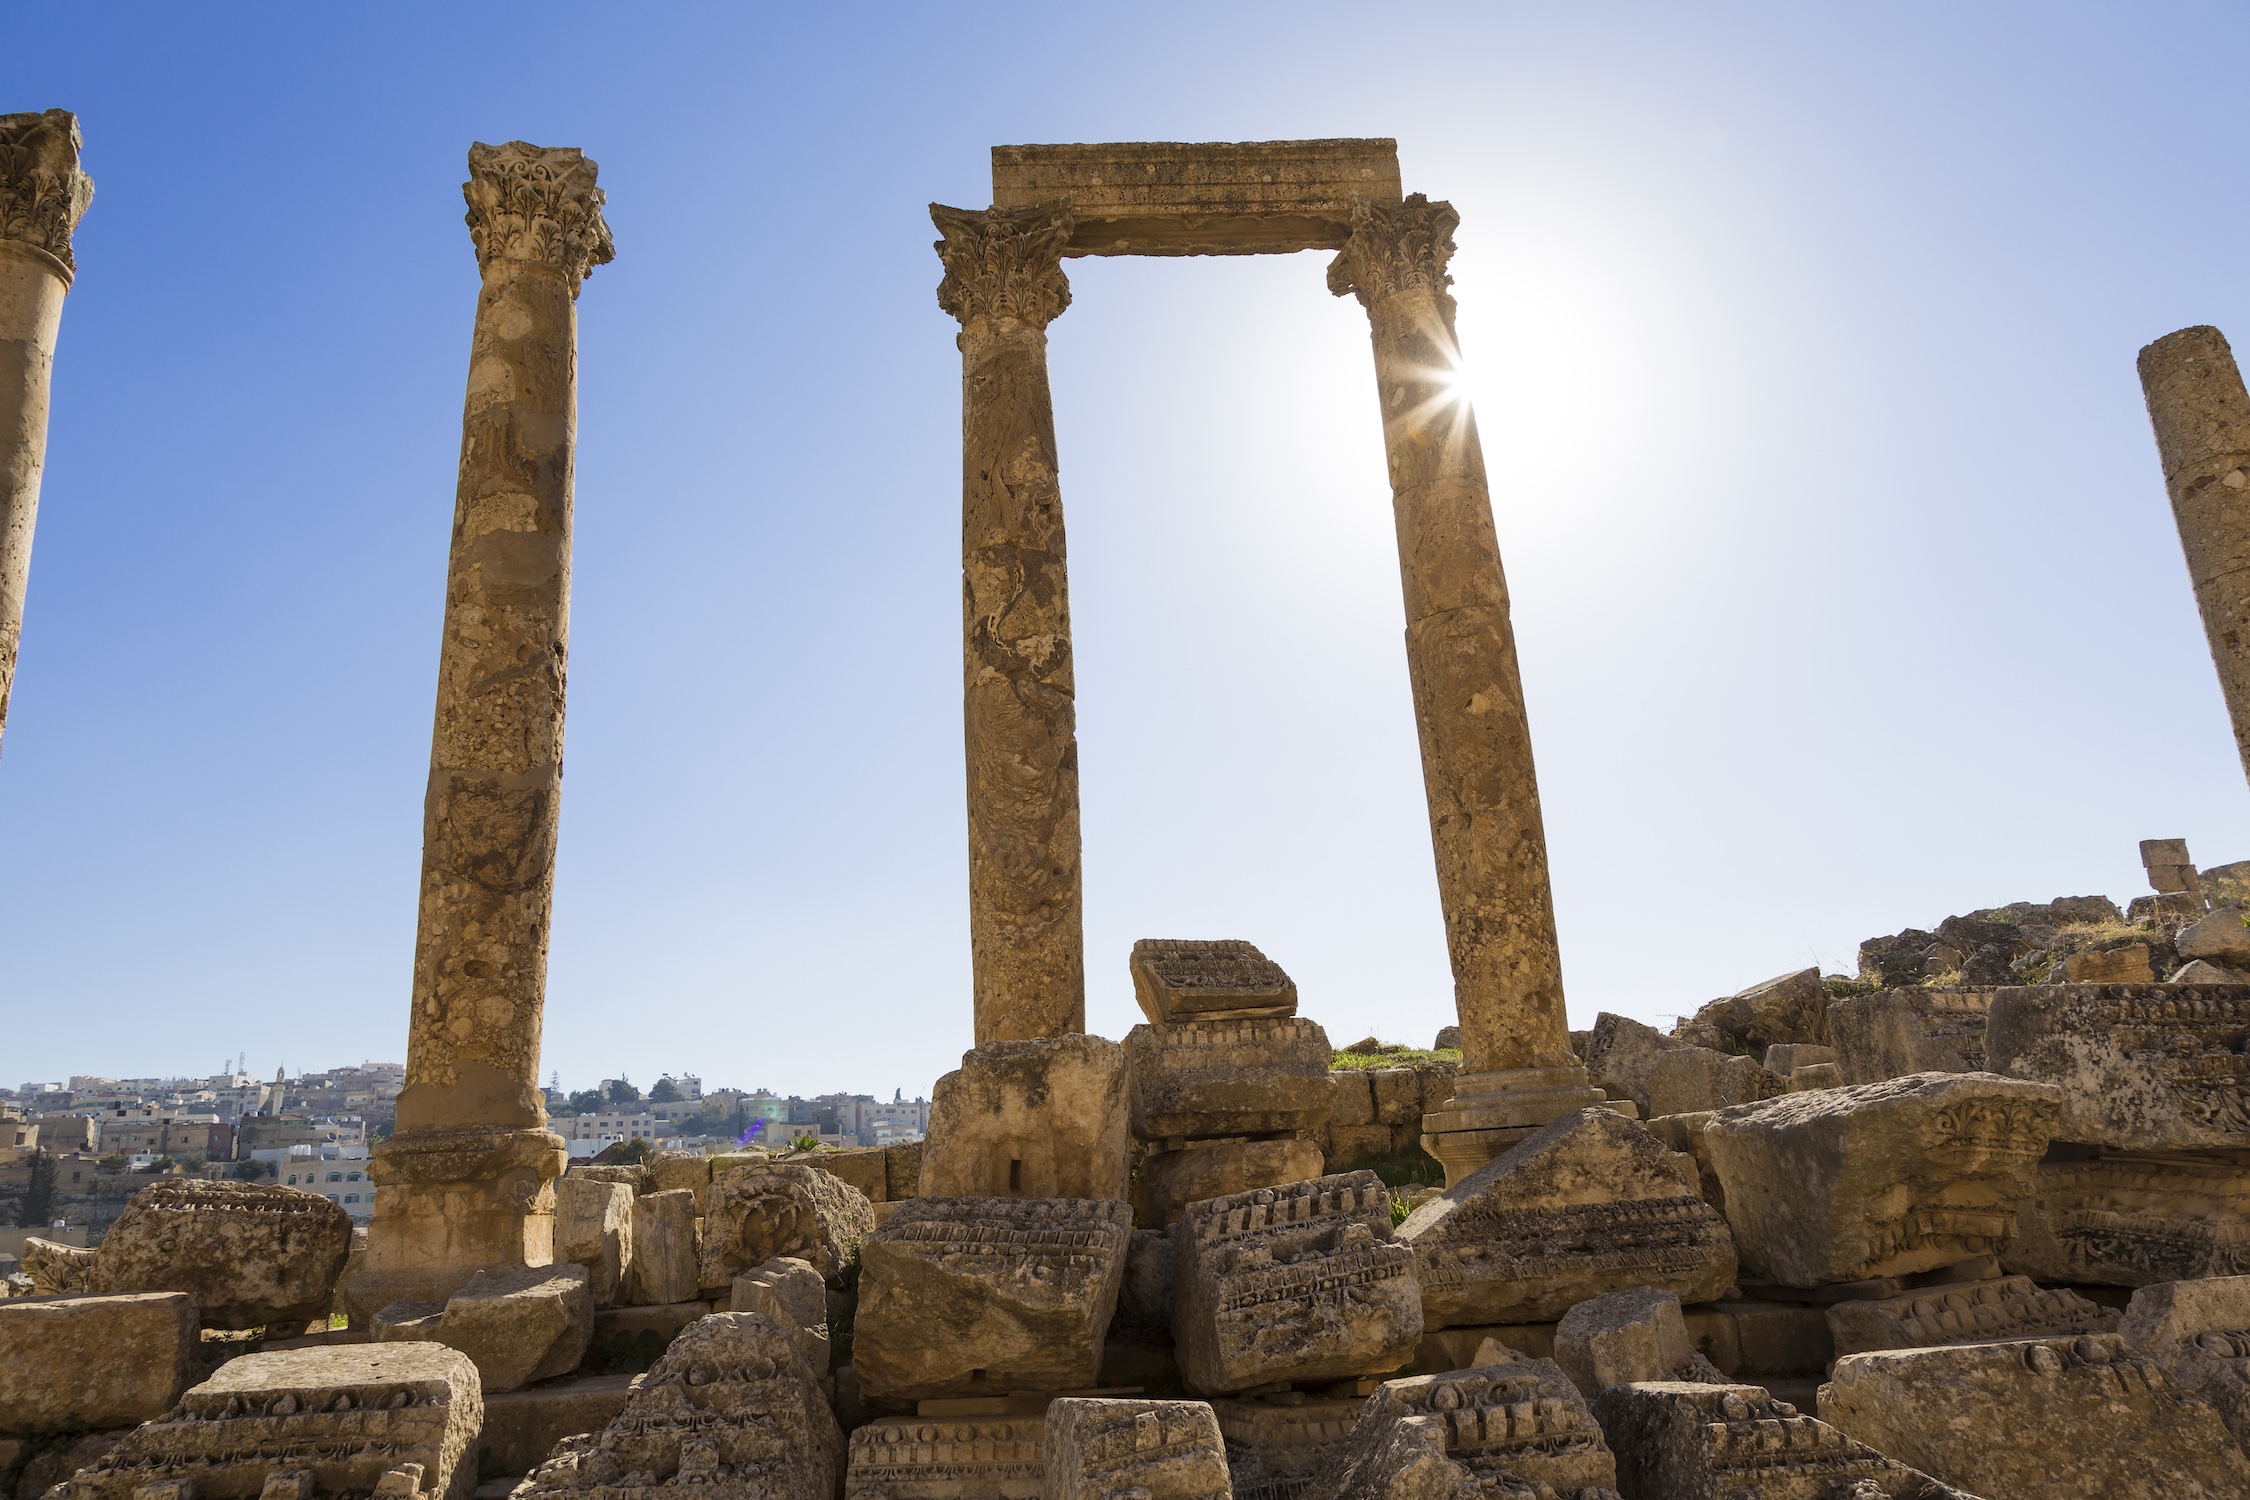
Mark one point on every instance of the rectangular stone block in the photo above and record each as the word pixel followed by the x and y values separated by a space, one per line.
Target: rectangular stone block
pixel 1031 1119
pixel 354 1416
pixel 1622 1337
pixel 1693 1441
pixel 951 1458
pixel 522 1427
pixel 791 1292
pixel 865 1168
pixel 1517 1428
pixel 665 1248
pixel 1185 980
pixel 2142 1067
pixel 1294 1283
pixel 1161 1450
pixel 1964 1312
pixel 1349 1145
pixel 783 1208
pixel 1918 1029
pixel 1228 1077
pixel 1351 1099
pixel 1208 198
pixel 2199 1333
pixel 594 1229
pixel 977 1296
pixel 630 1339
pixel 69 1364
pixel 902 1171
pixel 1171 1180
pixel 251 1254
pixel 673 1170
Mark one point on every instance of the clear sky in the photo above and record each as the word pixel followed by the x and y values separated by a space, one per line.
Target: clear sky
pixel 1803 342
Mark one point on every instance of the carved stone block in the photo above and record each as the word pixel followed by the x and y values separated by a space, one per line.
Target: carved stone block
pixel 73 1364
pixel 978 1296
pixel 2036 1417
pixel 351 1415
pixel 1030 1119
pixel 1299 1282
pixel 1161 1450
pixel 1171 1180
pixel 250 1254
pixel 2199 1332
pixel 56 1270
pixel 1179 980
pixel 1587 1204
pixel 756 1213
pixel 1247 1076
pixel 594 1229
pixel 1505 1430
pixel 1879 1179
pixel 1964 1312
pixel 2112 1218
pixel 948 1458
pixel 1691 1441
pixel 731 1411
pixel 665 1249
pixel 2142 1067
pixel 1275 1450
pixel 1622 1337
pixel 1918 1029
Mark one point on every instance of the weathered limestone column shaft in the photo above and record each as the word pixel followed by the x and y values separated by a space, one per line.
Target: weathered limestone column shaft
pixel 2201 413
pixel 42 196
pixel 1517 1070
pixel 1004 281
pixel 466 1182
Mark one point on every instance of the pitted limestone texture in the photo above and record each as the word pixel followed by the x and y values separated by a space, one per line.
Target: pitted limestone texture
pixel 731 1412
pixel 757 1213
pixel 1791 1007
pixel 1589 1204
pixel 1031 1119
pixel 1161 1450
pixel 1177 980
pixel 2026 1418
pixel 667 1249
pixel 982 1296
pixel 56 1270
pixel 250 1254
pixel 353 1416
pixel 1229 1077
pixel 1169 1181
pixel 2129 1218
pixel 1879 1179
pixel 2142 1067
pixel 948 1458
pixel 1663 1075
pixel 2198 1332
pixel 78 1364
pixel 789 1291
pixel 1292 1283
pixel 1495 1432
pixel 1964 1312
pixel 518 1325
pixel 1275 1448
pixel 594 1229
pixel 1913 1029
pixel 1689 1441
pixel 1623 1337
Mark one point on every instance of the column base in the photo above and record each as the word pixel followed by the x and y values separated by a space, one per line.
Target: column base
pixel 1489 1112
pixel 452 1202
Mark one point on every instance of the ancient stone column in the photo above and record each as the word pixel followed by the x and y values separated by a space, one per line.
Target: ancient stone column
pixel 42 195
pixel 1517 1070
pixel 466 1183
pixel 1004 281
pixel 2201 414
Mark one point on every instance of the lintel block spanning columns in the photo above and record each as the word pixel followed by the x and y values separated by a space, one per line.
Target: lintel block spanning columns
pixel 466 1183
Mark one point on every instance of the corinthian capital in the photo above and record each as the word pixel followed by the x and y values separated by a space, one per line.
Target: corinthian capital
pixel 1395 247
pixel 42 192
pixel 1003 262
pixel 538 204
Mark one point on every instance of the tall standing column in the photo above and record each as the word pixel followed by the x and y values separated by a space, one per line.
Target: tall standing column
pixel 1004 281
pixel 466 1183
pixel 1517 1070
pixel 42 196
pixel 2201 414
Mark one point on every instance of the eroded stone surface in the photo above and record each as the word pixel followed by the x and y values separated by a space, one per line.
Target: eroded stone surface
pixel 971 1296
pixel 1177 979
pixel 1790 1007
pixel 1879 1179
pixel 2199 1333
pixel 756 1213
pixel 2134 1218
pixel 948 1458
pixel 351 1415
pixel 1276 1449
pixel 56 1270
pixel 2036 1417
pixel 1666 1076
pixel 789 1291
pixel 731 1412
pixel 1491 1433
pixel 1964 1312
pixel 1627 1336
pixel 1914 1029
pixel 250 1254
pixel 666 1249
pixel 2141 1067
pixel 1683 1441
pixel 517 1325
pixel 71 1364
pixel 1228 1076
pixel 1589 1204
pixel 1163 1450
pixel 1030 1119
pixel 1170 1180
pixel 594 1229
pixel 1294 1283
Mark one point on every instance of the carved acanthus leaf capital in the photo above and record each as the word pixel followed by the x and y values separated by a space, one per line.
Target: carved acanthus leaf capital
pixel 1003 262
pixel 1395 247
pixel 538 204
pixel 42 192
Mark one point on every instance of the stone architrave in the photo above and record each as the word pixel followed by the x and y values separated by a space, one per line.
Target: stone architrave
pixel 2036 1417
pixel 2142 1067
pixel 1170 1180
pixel 2201 413
pixel 757 1213
pixel 464 1184
pixel 1183 979
pixel 1919 1029
pixel 1293 1283
pixel 984 1296
pixel 1517 1069
pixel 1677 1440
pixel 1588 1204
pixel 1161 1450
pixel 1964 1312
pixel 1515 1428
pixel 2199 1332
pixel 42 196
pixel 730 1410
pixel 520 1325
pixel 361 1418
pixel 78 1364
pixel 1229 1077
pixel 594 1229
pixel 1031 1119
pixel 950 1458
pixel 1004 282
pixel 1879 1179
pixel 1622 1337
pixel 1274 1449
pixel 251 1254
pixel 667 1261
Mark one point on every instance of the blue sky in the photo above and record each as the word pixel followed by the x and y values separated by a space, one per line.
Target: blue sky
pixel 1803 343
